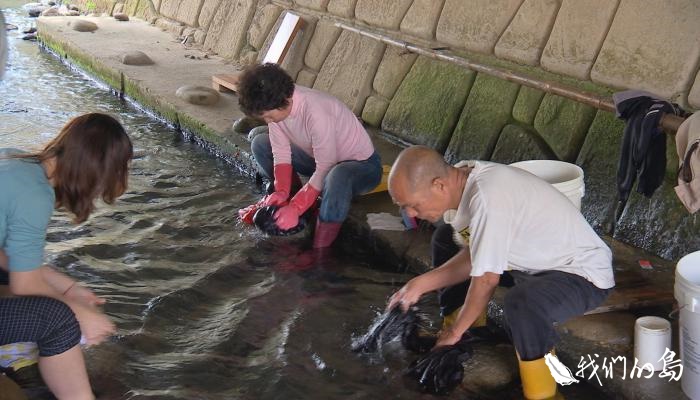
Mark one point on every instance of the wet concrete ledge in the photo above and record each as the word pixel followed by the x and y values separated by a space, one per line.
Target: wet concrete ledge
pixel 153 87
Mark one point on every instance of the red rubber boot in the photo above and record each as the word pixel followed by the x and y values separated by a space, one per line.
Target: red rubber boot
pixel 325 234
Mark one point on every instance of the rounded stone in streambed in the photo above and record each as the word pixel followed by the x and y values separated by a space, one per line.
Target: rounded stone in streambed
pixel 50 12
pixel 136 58
pixel 82 25
pixel 34 12
pixel 245 124
pixel 121 17
pixel 258 130
pixel 200 95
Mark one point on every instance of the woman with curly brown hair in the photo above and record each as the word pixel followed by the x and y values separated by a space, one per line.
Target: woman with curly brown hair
pixel 89 159
pixel 313 134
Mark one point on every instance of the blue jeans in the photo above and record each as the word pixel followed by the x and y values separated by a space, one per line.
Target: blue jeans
pixel 344 181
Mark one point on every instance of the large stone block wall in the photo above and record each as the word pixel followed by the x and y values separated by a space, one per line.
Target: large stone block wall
pixel 598 46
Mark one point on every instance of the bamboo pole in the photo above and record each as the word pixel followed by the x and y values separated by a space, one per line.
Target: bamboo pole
pixel 669 122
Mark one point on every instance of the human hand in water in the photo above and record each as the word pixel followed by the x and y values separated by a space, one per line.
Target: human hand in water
pixel 94 325
pixel 287 217
pixel 407 296
pixel 448 337
pixel 275 199
pixel 83 295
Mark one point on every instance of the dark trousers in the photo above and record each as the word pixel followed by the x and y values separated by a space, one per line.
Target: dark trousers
pixel 42 320
pixel 533 304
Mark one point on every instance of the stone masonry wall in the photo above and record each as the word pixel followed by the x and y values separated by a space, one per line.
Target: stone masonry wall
pixel 595 45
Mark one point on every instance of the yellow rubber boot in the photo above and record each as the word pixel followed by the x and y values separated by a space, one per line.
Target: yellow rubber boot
pixel 383 185
pixel 450 319
pixel 537 380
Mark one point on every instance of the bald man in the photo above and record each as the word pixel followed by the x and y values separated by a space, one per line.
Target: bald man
pixel 503 226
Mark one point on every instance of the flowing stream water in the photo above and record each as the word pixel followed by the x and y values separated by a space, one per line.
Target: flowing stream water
pixel 205 308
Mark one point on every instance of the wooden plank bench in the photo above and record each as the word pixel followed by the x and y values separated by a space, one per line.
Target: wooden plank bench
pixel 225 82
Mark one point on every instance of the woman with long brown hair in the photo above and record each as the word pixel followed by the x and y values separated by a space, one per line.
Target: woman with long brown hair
pixel 88 160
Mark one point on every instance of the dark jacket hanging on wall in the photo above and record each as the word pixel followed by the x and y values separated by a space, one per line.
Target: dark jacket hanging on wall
pixel 643 152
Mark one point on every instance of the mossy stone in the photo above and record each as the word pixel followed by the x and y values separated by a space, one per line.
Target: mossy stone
pixel 537 73
pixel 599 157
pixel 525 108
pixel 375 108
pixel 488 109
pixel 245 124
pixel 392 70
pixel 563 124
pixel 660 224
pixel 518 143
pixel 427 104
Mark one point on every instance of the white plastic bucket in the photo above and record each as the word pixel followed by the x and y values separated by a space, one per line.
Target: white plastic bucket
pixel 687 292
pixel 564 176
pixel 652 336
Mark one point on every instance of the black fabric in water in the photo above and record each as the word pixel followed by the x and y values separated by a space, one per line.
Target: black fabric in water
pixel 441 370
pixel 264 219
pixel 391 325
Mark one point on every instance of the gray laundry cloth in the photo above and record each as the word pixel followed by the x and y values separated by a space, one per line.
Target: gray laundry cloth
pixel 385 221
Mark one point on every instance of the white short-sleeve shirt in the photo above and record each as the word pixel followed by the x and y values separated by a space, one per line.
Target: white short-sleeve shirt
pixel 513 220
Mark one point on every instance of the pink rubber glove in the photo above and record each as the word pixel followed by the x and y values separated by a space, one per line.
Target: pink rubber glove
pixel 275 199
pixel 287 217
pixel 246 214
pixel 283 185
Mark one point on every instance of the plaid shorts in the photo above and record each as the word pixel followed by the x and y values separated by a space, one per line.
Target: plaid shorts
pixel 47 322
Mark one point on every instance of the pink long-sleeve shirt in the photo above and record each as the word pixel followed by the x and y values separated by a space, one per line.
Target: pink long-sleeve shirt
pixel 324 128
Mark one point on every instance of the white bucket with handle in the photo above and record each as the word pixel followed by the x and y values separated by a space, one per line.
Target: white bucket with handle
pixel 687 293
pixel 564 176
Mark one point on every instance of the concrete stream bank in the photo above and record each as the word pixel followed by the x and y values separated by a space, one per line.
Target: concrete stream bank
pixel 494 368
